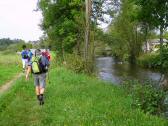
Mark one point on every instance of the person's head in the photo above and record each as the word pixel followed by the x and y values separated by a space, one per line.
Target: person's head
pixel 24 47
pixel 37 52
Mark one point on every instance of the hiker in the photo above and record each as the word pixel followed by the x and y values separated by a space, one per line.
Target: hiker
pixel 46 54
pixel 39 67
pixel 24 55
pixel 30 55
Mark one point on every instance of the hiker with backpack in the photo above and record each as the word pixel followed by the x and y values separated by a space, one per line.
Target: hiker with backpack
pixel 39 67
pixel 30 55
pixel 46 54
pixel 24 55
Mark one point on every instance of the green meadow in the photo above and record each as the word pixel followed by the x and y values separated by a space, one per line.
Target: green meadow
pixel 72 100
pixel 10 65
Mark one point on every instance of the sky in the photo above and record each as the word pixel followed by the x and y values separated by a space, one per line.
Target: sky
pixel 19 21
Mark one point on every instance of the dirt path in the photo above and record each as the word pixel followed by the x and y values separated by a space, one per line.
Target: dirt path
pixel 9 84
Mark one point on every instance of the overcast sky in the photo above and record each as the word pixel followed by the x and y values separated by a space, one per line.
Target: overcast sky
pixel 18 20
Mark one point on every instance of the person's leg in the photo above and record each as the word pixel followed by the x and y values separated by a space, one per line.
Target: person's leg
pixel 42 90
pixel 26 64
pixel 42 80
pixel 23 63
pixel 37 86
pixel 38 92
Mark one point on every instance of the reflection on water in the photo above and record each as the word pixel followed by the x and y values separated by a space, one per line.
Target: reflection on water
pixel 111 70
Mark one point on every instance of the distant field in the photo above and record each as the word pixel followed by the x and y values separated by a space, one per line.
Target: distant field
pixel 10 59
pixel 10 65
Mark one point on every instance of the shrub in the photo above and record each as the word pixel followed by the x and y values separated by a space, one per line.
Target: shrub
pixel 165 57
pixel 149 61
pixel 76 63
pixel 155 60
pixel 146 96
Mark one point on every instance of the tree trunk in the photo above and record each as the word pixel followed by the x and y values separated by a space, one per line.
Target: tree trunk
pixel 132 58
pixel 78 46
pixel 161 47
pixel 146 34
pixel 87 29
pixel 161 39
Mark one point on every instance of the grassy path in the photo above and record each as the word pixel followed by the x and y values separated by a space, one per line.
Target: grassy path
pixel 9 84
pixel 7 72
pixel 71 100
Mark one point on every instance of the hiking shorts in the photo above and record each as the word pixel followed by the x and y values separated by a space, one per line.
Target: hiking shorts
pixel 40 80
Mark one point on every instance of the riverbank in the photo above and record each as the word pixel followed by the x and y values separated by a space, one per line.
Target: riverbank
pixel 72 99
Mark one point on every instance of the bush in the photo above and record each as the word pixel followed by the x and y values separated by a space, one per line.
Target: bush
pixel 165 57
pixel 155 60
pixel 150 61
pixel 146 96
pixel 76 63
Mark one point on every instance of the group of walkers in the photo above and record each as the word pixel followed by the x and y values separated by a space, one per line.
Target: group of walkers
pixel 37 64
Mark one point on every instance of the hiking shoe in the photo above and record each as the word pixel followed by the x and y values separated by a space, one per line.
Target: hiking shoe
pixel 38 97
pixel 41 102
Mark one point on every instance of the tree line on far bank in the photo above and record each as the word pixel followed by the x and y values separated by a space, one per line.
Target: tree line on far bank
pixel 12 45
pixel 8 45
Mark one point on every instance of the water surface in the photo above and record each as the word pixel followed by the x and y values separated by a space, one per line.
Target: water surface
pixel 114 71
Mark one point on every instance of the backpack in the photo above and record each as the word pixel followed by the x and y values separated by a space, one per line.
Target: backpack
pixel 25 54
pixel 37 66
pixel 47 55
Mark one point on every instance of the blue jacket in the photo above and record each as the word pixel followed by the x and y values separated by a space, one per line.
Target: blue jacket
pixel 24 54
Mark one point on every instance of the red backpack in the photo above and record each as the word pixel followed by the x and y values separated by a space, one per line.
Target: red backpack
pixel 47 55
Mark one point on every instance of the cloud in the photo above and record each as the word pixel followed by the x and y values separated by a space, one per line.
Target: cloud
pixel 18 20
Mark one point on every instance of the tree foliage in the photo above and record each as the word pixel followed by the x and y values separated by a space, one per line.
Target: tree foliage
pixel 134 23
pixel 127 36
pixel 7 43
pixel 62 22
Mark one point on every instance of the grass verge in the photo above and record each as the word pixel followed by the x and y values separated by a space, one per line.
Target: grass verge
pixel 72 100
pixel 10 65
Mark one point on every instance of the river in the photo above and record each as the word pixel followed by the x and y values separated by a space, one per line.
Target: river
pixel 114 71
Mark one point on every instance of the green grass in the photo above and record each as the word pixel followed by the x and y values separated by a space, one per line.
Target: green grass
pixel 10 65
pixel 11 58
pixel 72 100
pixel 7 73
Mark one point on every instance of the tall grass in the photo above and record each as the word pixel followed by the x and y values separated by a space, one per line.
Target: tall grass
pixel 72 100
pixel 10 65
pixel 10 59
